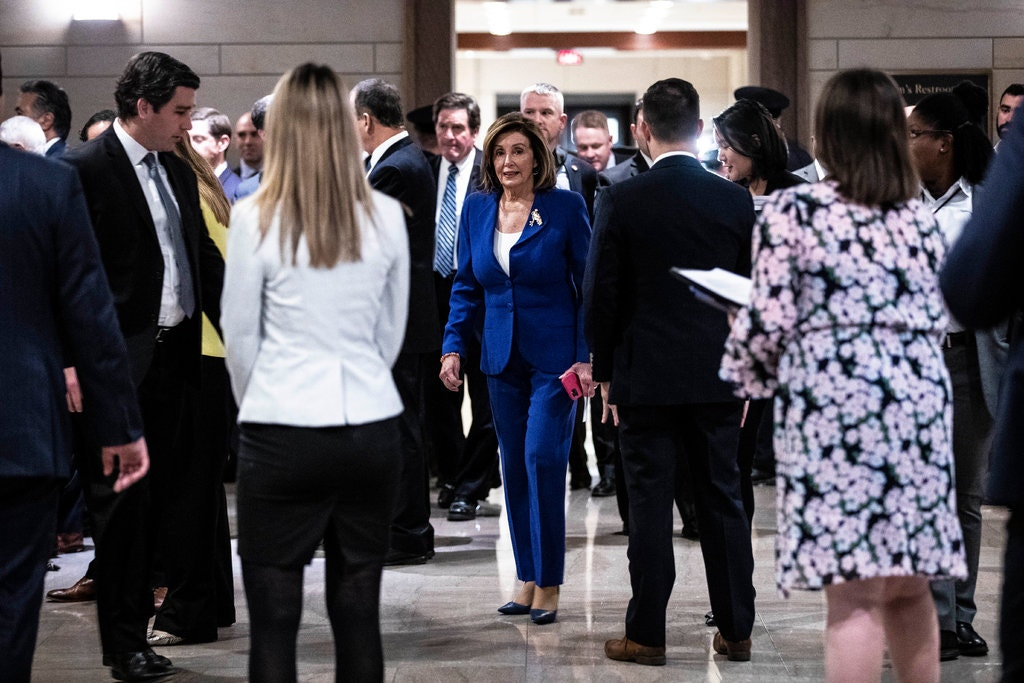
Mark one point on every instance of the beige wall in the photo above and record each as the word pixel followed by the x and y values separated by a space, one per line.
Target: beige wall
pixel 984 36
pixel 239 48
pixel 715 74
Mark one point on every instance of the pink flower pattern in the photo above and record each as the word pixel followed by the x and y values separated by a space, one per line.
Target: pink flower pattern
pixel 844 328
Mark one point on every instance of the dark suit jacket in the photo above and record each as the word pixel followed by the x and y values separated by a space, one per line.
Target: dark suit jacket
pixel 404 173
pixel 981 281
pixel 582 178
pixel 131 251
pixel 622 171
pixel 55 305
pixel 57 149
pixel 649 336
pixel 229 180
pixel 539 302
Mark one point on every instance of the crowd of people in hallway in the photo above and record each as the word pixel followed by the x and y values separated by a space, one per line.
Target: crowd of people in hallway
pixel 311 322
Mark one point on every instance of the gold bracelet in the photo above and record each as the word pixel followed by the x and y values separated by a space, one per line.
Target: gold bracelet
pixel 450 353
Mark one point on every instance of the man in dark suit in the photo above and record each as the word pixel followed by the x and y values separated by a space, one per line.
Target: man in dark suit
pixel 981 285
pixel 466 463
pixel 544 104
pixel 55 306
pixel 399 169
pixel 639 163
pixel 211 137
pixel 164 271
pixel 656 352
pixel 47 104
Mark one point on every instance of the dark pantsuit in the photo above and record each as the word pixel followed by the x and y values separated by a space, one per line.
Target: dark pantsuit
pixel 954 600
pixel 653 439
pixel 411 531
pixel 296 486
pixel 28 516
pixel 534 420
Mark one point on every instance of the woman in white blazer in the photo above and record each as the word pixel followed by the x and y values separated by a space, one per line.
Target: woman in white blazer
pixel 314 310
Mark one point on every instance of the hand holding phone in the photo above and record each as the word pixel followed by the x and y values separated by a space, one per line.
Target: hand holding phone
pixel 573 386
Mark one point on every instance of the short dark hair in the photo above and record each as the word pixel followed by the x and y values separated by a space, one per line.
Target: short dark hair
pixel 860 134
pixel 672 110
pixel 458 100
pixel 151 76
pixel 101 115
pixel 381 100
pixel 258 113
pixel 220 124
pixel 515 122
pixel 1013 90
pixel 50 99
pixel 749 128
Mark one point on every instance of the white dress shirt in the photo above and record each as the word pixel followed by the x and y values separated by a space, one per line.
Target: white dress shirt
pixel 379 150
pixel 461 190
pixel 171 312
pixel 952 212
pixel 314 347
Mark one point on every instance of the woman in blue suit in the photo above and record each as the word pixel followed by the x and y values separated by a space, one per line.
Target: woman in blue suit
pixel 522 251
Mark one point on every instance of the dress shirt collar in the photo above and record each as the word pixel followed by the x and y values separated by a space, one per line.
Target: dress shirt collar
pixel 673 153
pixel 378 151
pixel 136 152
pixel 220 169
pixel 935 203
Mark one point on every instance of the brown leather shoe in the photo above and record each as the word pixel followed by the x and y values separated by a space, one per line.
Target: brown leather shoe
pixel 735 651
pixel 84 590
pixel 73 542
pixel 159 594
pixel 625 650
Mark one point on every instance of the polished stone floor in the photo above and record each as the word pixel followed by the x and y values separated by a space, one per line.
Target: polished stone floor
pixel 439 621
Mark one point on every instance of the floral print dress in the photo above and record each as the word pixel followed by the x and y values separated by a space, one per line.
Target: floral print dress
pixel 844 327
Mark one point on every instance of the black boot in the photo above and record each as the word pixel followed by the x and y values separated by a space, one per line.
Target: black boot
pixel 605 487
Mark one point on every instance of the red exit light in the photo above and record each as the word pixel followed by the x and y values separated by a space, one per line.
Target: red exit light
pixel 569 58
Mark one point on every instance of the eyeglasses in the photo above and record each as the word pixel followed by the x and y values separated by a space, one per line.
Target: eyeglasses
pixel 918 133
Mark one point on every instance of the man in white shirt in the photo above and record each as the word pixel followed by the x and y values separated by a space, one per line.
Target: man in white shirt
pixel 466 464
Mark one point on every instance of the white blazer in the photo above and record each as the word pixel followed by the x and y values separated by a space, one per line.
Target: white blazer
pixel 314 347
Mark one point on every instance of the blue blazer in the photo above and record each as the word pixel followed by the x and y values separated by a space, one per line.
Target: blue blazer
pixel 537 306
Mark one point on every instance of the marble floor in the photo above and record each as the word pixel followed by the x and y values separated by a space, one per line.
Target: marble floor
pixel 439 621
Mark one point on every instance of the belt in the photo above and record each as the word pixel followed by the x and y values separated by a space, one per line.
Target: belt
pixel 164 333
pixel 955 339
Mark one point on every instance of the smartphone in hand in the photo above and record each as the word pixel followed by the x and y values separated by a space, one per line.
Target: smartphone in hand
pixel 571 382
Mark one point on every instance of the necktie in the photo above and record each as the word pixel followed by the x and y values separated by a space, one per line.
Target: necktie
pixel 444 251
pixel 185 294
pixel 366 163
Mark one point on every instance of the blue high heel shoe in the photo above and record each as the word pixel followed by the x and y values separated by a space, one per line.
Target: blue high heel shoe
pixel 544 616
pixel 514 608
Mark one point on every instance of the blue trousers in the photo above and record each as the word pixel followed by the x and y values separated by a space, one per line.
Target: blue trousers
pixel 533 417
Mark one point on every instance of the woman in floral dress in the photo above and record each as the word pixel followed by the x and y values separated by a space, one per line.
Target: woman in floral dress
pixel 844 328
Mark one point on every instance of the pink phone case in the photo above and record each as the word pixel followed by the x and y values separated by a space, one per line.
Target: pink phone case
pixel 571 382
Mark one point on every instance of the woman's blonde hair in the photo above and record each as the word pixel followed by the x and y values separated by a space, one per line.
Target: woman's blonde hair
pixel 861 138
pixel 211 192
pixel 313 177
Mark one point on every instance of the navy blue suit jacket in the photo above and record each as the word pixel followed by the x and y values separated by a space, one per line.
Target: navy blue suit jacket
pixel 537 306
pixel 650 337
pixel 403 172
pixel 55 307
pixel 981 282
pixel 229 181
pixel 131 251
pixel 57 149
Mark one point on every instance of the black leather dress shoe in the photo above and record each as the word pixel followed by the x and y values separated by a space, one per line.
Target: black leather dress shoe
pixel 445 496
pixel 139 666
pixel 969 642
pixel 604 488
pixel 949 647
pixel 395 558
pixel 462 510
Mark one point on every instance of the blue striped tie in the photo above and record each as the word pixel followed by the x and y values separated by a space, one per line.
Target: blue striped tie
pixel 444 251
pixel 175 231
